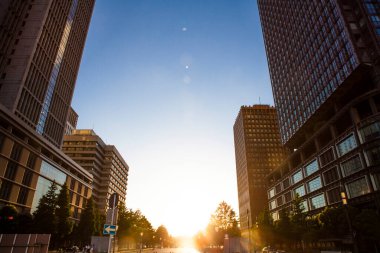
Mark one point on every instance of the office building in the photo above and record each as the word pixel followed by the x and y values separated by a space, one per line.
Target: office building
pixel 41 43
pixel 104 162
pixel 71 123
pixel 258 151
pixel 29 164
pixel 323 58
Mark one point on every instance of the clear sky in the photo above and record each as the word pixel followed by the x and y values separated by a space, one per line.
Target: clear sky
pixel 163 81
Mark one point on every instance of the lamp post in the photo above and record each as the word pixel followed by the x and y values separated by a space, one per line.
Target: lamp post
pixel 345 207
pixel 141 236
pixel 249 233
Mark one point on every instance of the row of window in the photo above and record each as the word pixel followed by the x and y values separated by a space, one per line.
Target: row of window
pixel 355 188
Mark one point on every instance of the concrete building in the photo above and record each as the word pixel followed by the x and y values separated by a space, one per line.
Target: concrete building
pixel 258 151
pixel 104 162
pixel 41 43
pixel 29 164
pixel 323 58
pixel 71 123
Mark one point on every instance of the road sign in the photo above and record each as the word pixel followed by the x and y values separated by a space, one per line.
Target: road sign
pixel 110 212
pixel 113 200
pixel 109 229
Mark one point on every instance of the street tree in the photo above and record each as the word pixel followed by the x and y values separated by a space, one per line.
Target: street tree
pixel 62 212
pixel 223 221
pixel 44 217
pixel 87 225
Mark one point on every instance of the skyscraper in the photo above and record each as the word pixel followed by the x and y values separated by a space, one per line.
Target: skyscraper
pixel 104 162
pixel 258 151
pixel 41 43
pixel 323 59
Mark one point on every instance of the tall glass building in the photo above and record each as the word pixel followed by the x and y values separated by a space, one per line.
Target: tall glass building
pixel 323 59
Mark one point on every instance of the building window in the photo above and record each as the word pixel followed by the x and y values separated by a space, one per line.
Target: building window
pixel 317 202
pixel 275 216
pixel 16 151
pixel 376 181
pixel 351 165
pixel 300 191
pixel 280 201
pixel 52 173
pixel 75 215
pixel 373 155
pixel 5 190
pixel 330 176
pixel 311 168
pixel 297 176
pixel 31 161
pixel 333 196
pixel 271 193
pixel 11 170
pixel 288 196
pixel 2 139
pixel 77 201
pixel 286 183
pixel 304 206
pixel 278 188
pixel 314 184
pixel 370 132
pixel 72 184
pixel 358 187
pixel 27 179
pixel 79 188
pixel 85 192
pixel 346 145
pixel 327 157
pixel 22 195
pixel 272 205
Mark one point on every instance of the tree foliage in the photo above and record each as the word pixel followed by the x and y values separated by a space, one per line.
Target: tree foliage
pixel 223 221
pixel 45 219
pixel 87 224
pixel 62 212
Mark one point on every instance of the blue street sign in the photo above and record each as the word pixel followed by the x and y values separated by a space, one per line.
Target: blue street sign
pixel 109 229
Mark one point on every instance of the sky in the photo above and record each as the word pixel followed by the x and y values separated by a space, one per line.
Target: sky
pixel 163 81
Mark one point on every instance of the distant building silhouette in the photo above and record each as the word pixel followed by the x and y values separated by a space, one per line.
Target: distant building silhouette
pixel 258 151
pixel 104 162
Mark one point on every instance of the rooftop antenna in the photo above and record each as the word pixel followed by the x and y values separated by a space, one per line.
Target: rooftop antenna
pixel 259 101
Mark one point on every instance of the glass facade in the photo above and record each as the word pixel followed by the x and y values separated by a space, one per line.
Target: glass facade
pixel 317 202
pixel 300 191
pixel 311 168
pixel 307 62
pixel 271 193
pixel 272 205
pixel 305 206
pixel 373 155
pixel 370 132
pixel 297 176
pixel 56 67
pixel 358 187
pixel 347 145
pixel 351 165
pixel 314 184
pixel 43 184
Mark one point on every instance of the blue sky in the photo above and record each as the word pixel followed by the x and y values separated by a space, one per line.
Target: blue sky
pixel 163 81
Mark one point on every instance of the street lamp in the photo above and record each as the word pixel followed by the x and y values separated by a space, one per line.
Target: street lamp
pixel 141 236
pixel 249 233
pixel 345 207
